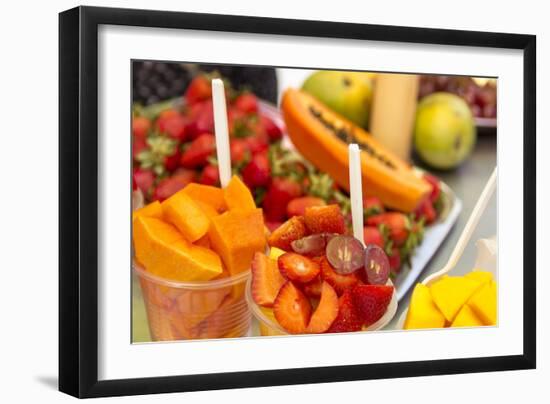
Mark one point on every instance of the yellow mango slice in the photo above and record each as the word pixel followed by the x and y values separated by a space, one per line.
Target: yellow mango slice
pixel 237 195
pixel 207 194
pixel 164 252
pixel 466 318
pixel 153 209
pixel 423 313
pixel 275 253
pixel 236 235
pixel 184 213
pixel 484 303
pixel 480 276
pixel 451 293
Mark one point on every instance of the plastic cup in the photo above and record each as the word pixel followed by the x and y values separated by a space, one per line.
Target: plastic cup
pixel 195 310
pixel 269 326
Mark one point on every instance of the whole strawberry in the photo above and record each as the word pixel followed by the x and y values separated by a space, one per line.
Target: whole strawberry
pixel 372 235
pixel 398 224
pixel 140 126
pixel 257 173
pixel 372 206
pixel 280 192
pixel 197 153
pixel 199 89
pixel 210 175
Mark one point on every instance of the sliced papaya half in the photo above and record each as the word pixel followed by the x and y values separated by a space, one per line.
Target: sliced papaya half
pixel 322 136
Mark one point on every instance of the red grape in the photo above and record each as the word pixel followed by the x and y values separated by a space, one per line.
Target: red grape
pixel 345 254
pixel 377 265
pixel 313 245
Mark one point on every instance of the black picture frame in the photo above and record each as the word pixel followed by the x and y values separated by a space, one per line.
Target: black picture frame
pixel 78 196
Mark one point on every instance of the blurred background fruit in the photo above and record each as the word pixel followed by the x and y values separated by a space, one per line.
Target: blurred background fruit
pixel 444 133
pixel 479 93
pixel 348 93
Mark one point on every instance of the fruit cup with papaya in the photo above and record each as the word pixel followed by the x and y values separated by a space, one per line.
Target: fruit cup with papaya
pixel 192 256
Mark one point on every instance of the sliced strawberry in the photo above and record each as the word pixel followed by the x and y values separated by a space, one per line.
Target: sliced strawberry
pixel 372 235
pixel 280 192
pixel 326 312
pixel 397 223
pixel 266 280
pixel 140 126
pixel 293 229
pixel 197 153
pixel 210 175
pixel 372 206
pixel 348 318
pixel 297 206
pixel 340 283
pixel 395 260
pixel 325 219
pixel 371 301
pixel 272 130
pixel 247 103
pixel 198 90
pixel 298 268
pixel 292 309
pixel 144 179
pixel 313 288
pixel 436 186
pixel 272 226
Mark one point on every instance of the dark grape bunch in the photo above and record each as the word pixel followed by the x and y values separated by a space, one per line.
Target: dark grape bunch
pixel 482 99
pixel 153 82
pixel 156 81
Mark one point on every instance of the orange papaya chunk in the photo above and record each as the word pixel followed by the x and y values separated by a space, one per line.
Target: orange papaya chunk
pixel 164 252
pixel 207 209
pixel 210 195
pixel 236 235
pixel 238 196
pixel 184 213
pixel 153 209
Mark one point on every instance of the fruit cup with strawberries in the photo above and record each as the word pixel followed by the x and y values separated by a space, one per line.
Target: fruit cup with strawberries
pixel 192 254
pixel 318 279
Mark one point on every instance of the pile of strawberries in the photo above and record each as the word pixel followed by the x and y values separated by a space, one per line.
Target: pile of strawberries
pixel 306 293
pixel 176 146
pixel 396 232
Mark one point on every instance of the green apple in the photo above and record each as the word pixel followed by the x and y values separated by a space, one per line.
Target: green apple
pixel 348 93
pixel 445 132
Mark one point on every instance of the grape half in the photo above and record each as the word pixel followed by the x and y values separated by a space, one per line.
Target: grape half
pixel 377 265
pixel 345 254
pixel 313 245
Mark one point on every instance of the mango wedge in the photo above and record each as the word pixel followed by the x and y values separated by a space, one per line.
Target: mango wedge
pixel 480 276
pixel 423 313
pixel 484 303
pixel 164 252
pixel 466 318
pixel 238 196
pixel 236 236
pixel 184 213
pixel 450 293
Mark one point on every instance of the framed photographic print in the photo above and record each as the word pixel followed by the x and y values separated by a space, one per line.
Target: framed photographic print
pixel 252 201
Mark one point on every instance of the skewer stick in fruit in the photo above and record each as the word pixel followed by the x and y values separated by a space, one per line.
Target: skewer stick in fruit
pixel 222 131
pixel 356 191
